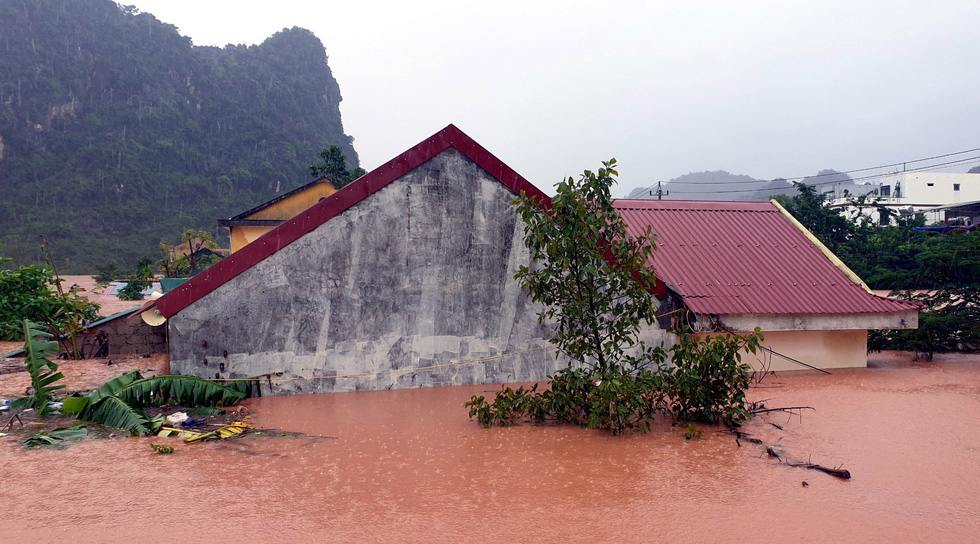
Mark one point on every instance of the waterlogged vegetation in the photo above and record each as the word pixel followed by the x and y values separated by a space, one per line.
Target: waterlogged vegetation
pixel 120 402
pixel 35 293
pixel 595 283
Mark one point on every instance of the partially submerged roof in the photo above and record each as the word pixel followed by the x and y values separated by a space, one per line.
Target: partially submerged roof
pixel 332 206
pixel 728 258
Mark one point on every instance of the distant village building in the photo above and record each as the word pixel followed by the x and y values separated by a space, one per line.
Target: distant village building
pixel 929 193
pixel 248 226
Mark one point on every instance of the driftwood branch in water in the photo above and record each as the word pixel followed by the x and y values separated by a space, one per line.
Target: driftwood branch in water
pixel 836 472
pixel 772 453
pixel 785 409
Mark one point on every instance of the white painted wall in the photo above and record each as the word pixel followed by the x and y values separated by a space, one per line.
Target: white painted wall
pixel 922 191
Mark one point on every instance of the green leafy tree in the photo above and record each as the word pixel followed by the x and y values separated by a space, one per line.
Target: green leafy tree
pixel 591 275
pixel 138 281
pixel 333 167
pixel 194 253
pixel 595 281
pixel 35 293
pixel 109 272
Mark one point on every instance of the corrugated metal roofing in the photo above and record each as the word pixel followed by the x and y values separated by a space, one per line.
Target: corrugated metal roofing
pixel 746 258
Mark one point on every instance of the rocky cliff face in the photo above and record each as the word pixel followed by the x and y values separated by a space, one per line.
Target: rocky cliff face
pixel 116 131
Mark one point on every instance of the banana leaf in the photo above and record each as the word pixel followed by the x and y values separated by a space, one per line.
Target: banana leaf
pixel 74 405
pixel 56 436
pixel 114 412
pixel 184 390
pixel 43 372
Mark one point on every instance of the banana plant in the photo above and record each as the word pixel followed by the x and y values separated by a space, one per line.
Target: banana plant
pixel 119 402
pixel 38 346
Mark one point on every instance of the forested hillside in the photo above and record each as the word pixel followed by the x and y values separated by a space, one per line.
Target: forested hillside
pixel 116 131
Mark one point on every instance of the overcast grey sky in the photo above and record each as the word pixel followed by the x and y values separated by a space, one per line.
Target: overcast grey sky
pixel 766 89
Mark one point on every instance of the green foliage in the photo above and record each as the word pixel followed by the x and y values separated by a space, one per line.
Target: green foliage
pixel 118 402
pixel 34 293
pixel 706 384
pixel 333 167
pixel 117 130
pixel 114 412
pixel 194 253
pixel 138 281
pixel 183 390
pixel 25 293
pixel 593 277
pixel 693 432
pixel 162 449
pixel 44 374
pixel 109 272
pixel 950 321
pixel 57 437
pixel 709 379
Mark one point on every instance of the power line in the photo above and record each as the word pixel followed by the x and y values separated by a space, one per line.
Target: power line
pixel 873 176
pixel 903 163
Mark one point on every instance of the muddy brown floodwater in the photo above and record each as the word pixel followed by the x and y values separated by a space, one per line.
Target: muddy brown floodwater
pixel 408 466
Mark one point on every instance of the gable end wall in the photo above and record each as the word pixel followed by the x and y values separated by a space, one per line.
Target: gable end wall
pixel 420 274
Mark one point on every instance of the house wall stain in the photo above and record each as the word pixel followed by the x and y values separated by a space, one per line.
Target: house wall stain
pixel 418 276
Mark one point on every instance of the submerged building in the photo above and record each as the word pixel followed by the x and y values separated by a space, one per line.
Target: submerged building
pixel 405 278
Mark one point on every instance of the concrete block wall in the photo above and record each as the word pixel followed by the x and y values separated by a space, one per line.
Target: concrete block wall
pixel 128 335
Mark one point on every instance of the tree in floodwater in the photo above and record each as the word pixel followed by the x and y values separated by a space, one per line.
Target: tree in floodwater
pixel 596 283
pixel 590 274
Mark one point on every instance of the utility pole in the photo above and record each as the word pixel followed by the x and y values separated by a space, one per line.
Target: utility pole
pixel 660 192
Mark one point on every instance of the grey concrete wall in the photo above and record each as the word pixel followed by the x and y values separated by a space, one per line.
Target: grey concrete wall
pixel 417 275
pixel 822 322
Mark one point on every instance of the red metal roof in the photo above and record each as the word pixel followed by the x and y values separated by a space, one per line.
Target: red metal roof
pixel 746 258
pixel 335 204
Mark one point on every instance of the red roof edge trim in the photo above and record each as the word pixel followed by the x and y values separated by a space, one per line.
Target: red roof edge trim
pixel 332 206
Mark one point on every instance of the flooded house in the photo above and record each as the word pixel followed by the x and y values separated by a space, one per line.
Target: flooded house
pixel 734 266
pixel 404 278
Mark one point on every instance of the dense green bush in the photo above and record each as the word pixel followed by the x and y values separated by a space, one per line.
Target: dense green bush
pixel 596 284
pixel 29 292
pixel 709 379
pixel 705 383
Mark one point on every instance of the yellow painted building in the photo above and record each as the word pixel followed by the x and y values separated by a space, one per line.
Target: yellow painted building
pixel 248 226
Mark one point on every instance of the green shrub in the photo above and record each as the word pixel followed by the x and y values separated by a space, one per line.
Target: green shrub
pixel 709 379
pixel 29 293
pixel 706 385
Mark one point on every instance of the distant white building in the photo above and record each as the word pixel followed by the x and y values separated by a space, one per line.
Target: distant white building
pixel 929 193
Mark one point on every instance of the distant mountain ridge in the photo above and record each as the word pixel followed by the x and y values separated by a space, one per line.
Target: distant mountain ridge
pixel 719 185
pixel 116 131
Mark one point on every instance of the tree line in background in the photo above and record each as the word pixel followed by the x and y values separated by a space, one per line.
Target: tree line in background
pixel 887 252
pixel 116 131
